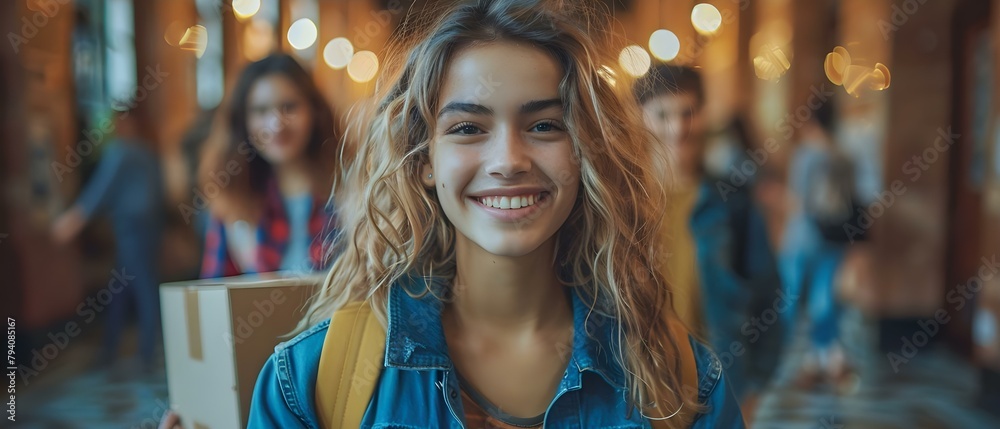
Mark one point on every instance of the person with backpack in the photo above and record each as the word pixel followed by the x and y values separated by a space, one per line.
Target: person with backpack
pixel 819 236
pixel 722 269
pixel 500 270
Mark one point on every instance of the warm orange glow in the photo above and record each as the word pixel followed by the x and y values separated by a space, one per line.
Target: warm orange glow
pixel 835 64
pixel 608 74
pixel 855 78
pixel 771 64
pixel 258 39
pixel 174 33
pixel 195 39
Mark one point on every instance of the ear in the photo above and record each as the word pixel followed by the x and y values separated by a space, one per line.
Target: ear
pixel 427 175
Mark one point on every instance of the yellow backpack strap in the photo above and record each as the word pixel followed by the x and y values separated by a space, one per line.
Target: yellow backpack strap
pixel 689 375
pixel 349 366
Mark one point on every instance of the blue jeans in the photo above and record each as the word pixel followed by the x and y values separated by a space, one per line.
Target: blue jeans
pixel 139 289
pixel 809 264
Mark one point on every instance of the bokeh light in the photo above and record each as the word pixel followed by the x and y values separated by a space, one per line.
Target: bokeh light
pixel 664 45
pixel 174 32
pixel 195 39
pixel 835 65
pixel 856 79
pixel 363 66
pixel 706 19
pixel 771 64
pixel 244 9
pixel 634 60
pixel 302 34
pixel 338 52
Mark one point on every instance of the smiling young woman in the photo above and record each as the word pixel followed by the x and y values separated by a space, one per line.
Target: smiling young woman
pixel 501 221
pixel 268 172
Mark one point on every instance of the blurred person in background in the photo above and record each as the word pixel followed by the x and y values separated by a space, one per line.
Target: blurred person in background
pixel 127 186
pixel 271 173
pixel 720 261
pixel 820 229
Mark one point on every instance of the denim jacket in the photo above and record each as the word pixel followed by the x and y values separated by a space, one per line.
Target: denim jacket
pixel 418 387
pixel 738 270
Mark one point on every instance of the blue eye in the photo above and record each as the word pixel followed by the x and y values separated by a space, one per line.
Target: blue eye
pixel 546 126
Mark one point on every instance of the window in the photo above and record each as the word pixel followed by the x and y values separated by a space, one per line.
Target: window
pixel 119 52
pixel 209 68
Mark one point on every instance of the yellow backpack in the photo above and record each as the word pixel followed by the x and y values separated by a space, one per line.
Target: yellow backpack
pixel 354 351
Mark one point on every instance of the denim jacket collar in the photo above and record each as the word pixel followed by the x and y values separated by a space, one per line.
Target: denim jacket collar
pixel 415 337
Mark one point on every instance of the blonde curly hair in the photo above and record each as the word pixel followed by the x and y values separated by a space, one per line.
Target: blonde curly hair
pixel 608 250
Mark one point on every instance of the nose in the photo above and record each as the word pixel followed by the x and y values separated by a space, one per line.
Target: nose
pixel 508 155
pixel 274 120
pixel 678 128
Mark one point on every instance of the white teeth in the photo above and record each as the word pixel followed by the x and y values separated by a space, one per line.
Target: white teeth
pixel 510 203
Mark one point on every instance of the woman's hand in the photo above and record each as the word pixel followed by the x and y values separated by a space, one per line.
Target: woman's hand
pixel 171 421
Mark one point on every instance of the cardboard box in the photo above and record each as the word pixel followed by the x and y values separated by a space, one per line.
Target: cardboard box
pixel 218 333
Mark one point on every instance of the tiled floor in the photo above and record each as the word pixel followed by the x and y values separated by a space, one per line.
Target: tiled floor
pixel 72 395
pixel 934 390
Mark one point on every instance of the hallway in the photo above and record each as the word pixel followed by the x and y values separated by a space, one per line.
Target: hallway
pixel 934 390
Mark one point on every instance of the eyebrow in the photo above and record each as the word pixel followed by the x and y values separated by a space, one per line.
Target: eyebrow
pixel 478 109
pixel 539 105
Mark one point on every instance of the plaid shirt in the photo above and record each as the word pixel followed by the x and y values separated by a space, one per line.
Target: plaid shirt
pixel 273 233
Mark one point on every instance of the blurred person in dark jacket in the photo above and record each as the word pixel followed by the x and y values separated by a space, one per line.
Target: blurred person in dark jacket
pixel 719 260
pixel 127 186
